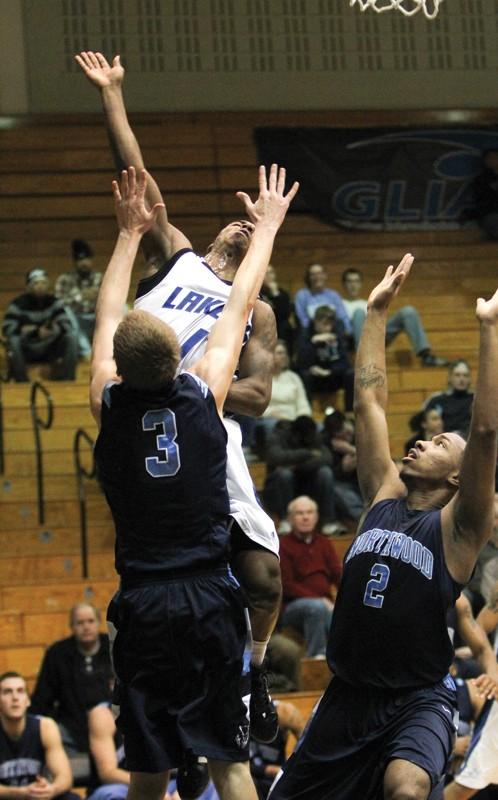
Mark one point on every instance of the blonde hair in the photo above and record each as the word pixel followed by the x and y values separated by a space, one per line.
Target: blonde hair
pixel 146 351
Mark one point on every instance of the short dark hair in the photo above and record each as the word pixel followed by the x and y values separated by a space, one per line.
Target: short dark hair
pixel 323 313
pixel 11 674
pixel 146 351
pixel 351 271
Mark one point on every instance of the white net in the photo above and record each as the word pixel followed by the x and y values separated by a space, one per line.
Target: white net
pixel 407 7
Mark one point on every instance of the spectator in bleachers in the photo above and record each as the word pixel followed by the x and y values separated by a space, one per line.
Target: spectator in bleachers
pixel 75 675
pixel 485 191
pixel 37 329
pixel 299 463
pixel 311 571
pixel 405 320
pixel 29 747
pixel 316 294
pixel 455 404
pixel 268 759
pixel 288 396
pixel 322 356
pixel 283 657
pixel 78 291
pixel 281 304
pixel 338 436
pixel 425 424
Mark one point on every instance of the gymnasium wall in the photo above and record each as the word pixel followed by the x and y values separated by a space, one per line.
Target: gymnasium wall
pixel 185 55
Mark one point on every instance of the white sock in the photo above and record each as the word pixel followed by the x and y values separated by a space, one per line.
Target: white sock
pixel 258 652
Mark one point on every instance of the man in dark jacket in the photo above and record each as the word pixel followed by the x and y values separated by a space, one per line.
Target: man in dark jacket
pixel 75 675
pixel 37 329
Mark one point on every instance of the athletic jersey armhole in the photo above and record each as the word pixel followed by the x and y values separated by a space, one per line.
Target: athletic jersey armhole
pixel 106 392
pixel 200 383
pixel 146 284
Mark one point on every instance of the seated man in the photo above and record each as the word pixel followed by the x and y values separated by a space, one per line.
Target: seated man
pixel 78 291
pixel 405 320
pixel 75 674
pixel 281 304
pixel 37 329
pixel 338 435
pixel 299 463
pixel 29 745
pixel 311 572
pixel 454 404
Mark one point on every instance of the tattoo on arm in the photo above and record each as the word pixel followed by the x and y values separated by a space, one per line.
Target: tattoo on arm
pixel 493 602
pixel 370 375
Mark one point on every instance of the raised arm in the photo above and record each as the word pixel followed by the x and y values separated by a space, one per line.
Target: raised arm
pixel 377 474
pixel 218 364
pixel 163 240
pixel 468 518
pixel 134 219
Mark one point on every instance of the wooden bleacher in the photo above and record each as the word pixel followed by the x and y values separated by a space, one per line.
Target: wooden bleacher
pixel 55 176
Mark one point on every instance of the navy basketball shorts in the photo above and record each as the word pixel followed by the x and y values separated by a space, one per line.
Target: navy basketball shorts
pixel 181 655
pixel 356 731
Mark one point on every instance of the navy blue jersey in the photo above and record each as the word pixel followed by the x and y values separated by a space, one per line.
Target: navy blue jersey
pixel 389 625
pixel 21 760
pixel 161 459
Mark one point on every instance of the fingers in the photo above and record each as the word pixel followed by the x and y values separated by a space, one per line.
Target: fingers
pixel 262 178
pixel 272 183
pixel 244 197
pixel 281 180
pixel 116 61
pixel 116 192
pixel 292 192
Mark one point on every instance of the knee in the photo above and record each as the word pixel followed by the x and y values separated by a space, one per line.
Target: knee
pixel 408 311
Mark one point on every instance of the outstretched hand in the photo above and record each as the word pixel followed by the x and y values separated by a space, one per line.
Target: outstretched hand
pixel 487 310
pixel 272 204
pixel 381 297
pixel 129 199
pixel 98 70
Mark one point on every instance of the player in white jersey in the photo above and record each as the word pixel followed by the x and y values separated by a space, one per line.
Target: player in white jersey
pixel 254 540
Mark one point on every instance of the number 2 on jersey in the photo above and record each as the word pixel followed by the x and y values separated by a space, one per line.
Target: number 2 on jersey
pixel 373 593
pixel 165 442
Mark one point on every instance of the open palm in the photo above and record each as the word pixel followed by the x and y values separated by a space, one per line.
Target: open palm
pixel 98 70
pixel 381 297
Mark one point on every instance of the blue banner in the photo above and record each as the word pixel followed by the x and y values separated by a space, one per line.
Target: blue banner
pixel 381 179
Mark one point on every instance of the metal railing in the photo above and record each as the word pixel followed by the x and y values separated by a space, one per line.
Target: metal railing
pixel 40 424
pixel 81 473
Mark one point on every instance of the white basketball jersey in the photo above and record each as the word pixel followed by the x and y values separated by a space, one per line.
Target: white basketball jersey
pixel 188 296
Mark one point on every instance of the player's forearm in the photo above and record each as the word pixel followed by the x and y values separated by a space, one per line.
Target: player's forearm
pixel 248 396
pixel 124 144
pixel 370 385
pixel 485 408
pixel 62 783
pixel 115 775
pixel 116 281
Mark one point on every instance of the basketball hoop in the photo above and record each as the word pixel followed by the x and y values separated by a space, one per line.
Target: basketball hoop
pixel 407 7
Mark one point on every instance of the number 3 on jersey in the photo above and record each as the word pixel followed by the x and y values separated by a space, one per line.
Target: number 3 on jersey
pixel 373 593
pixel 165 441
